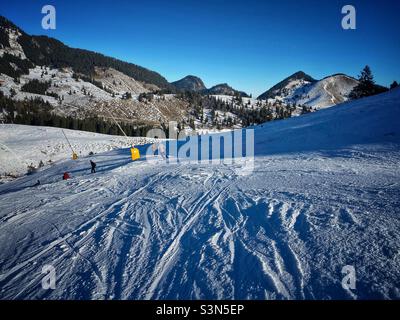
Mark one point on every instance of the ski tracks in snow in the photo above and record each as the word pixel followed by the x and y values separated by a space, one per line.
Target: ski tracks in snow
pixel 198 231
pixel 214 191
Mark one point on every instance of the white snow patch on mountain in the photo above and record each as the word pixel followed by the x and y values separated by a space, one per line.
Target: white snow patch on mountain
pixel 320 94
pixel 324 93
pixel 15 48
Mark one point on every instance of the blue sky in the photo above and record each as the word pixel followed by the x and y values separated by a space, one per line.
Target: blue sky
pixel 249 44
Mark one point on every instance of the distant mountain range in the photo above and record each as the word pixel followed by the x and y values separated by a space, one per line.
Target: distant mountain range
pixel 83 84
pixel 193 83
pixel 302 89
pixel 29 50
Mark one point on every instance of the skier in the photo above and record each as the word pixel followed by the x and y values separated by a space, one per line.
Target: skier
pixel 161 150
pixel 154 146
pixel 66 176
pixel 93 164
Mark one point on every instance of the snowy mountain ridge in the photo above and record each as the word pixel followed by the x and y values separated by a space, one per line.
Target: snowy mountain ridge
pixel 294 81
pixel 301 89
pixel 141 97
pixel 193 83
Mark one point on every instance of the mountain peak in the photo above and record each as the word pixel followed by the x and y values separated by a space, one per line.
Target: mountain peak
pixel 299 76
pixel 302 89
pixel 221 85
pixel 225 89
pixel 190 83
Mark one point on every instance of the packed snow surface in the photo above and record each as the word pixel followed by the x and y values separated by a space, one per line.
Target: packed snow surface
pixel 324 193
pixel 22 146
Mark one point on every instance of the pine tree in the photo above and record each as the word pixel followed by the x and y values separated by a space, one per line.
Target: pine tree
pixel 394 85
pixel 366 85
pixel 127 96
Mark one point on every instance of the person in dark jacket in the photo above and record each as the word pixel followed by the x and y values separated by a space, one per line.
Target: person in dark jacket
pixel 93 164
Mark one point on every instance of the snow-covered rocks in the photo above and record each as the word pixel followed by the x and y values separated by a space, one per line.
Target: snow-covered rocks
pixel 15 48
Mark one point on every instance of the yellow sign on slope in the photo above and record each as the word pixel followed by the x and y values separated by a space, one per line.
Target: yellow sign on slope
pixel 135 153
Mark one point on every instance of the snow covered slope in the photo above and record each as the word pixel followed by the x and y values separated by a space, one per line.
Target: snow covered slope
pixel 327 92
pixel 364 121
pixel 301 89
pixel 287 85
pixel 324 194
pixel 21 146
pixel 118 82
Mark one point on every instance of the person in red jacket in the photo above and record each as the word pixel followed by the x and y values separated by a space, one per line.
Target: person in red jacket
pixel 66 176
